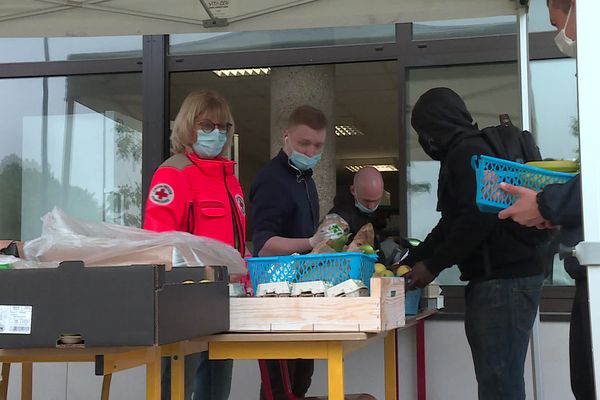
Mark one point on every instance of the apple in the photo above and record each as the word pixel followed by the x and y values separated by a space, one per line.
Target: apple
pixel 367 249
pixel 379 267
pixel 387 273
pixel 403 270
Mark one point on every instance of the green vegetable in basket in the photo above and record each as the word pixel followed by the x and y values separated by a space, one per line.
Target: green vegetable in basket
pixel 339 243
pixel 367 249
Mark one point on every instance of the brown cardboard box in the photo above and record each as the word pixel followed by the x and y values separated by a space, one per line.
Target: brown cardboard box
pixel 92 258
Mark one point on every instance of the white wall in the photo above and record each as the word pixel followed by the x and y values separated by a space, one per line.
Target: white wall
pixel 448 362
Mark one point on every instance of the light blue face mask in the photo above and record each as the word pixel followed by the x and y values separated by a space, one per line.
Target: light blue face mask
pixel 304 162
pixel 364 209
pixel 210 145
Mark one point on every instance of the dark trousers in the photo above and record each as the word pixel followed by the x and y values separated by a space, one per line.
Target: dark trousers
pixel 204 379
pixel 580 345
pixel 499 315
pixel 300 373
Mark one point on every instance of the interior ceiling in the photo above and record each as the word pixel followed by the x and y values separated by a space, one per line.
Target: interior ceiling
pixel 54 18
pixel 366 95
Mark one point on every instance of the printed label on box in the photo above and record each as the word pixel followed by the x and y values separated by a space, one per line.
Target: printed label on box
pixel 15 320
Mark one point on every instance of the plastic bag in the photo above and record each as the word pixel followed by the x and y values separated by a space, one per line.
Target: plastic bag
pixel 364 236
pixel 334 229
pixel 102 244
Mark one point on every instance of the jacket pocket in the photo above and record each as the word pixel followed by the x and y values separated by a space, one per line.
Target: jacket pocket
pixel 210 208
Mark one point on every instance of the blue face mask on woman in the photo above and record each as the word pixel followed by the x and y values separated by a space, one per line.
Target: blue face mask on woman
pixel 210 145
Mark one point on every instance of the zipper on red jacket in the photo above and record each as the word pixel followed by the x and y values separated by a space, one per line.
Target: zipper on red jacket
pixel 191 221
pixel 234 216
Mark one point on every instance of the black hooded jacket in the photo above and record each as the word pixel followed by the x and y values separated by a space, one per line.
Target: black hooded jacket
pixel 561 205
pixel 482 246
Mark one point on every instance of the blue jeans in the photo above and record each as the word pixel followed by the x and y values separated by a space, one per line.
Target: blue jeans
pixel 204 379
pixel 499 315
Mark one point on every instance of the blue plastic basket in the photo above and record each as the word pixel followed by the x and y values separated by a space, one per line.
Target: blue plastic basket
pixel 331 267
pixel 491 171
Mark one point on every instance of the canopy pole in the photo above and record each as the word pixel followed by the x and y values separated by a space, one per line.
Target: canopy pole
pixel 588 89
pixel 524 83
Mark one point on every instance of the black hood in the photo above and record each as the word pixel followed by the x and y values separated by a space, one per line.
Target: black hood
pixel 440 117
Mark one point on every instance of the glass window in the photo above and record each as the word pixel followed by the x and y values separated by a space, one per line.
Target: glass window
pixel 488 90
pixel 539 21
pixel 72 143
pixel 470 27
pixel 555 122
pixel 355 83
pixel 279 39
pixel 69 48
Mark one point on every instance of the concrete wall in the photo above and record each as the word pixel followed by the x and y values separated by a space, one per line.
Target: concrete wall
pixel 449 371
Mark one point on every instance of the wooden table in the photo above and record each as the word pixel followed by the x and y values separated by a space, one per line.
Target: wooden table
pixel 328 346
pixel 238 346
pixel 108 360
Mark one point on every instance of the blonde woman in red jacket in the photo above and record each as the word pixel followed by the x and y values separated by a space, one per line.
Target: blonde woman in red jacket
pixel 196 191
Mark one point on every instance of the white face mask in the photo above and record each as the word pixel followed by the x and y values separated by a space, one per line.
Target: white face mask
pixel 566 45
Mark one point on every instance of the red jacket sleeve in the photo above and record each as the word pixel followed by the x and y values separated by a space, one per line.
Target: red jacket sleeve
pixel 167 201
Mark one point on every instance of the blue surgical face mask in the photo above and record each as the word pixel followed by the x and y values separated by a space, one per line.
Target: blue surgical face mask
pixel 210 145
pixel 304 162
pixel 364 209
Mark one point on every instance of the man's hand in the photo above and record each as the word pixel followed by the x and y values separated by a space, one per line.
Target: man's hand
pixel 419 276
pixel 525 209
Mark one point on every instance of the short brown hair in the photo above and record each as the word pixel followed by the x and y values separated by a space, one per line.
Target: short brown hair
pixel 309 116
pixel 196 103
pixel 563 5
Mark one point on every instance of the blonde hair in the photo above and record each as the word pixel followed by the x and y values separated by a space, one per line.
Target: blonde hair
pixel 196 103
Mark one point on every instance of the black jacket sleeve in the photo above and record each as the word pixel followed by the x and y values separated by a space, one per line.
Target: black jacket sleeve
pixel 468 228
pixel 561 203
pixel 270 210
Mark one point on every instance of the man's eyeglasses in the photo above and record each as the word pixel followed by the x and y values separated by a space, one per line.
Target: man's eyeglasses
pixel 207 126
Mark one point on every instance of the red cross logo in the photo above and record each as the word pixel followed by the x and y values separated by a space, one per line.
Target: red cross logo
pixel 240 203
pixel 162 194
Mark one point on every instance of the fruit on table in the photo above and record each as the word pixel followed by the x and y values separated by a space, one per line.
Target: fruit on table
pixel 367 249
pixel 402 270
pixel 379 268
pixel 339 243
pixel 387 273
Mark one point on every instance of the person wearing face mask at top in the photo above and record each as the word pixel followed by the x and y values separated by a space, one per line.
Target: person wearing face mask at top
pixel 285 215
pixel 358 206
pixel 196 191
pixel 560 205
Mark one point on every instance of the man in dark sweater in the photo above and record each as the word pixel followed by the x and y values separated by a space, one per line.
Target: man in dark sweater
pixel 359 205
pixel 497 258
pixel 285 212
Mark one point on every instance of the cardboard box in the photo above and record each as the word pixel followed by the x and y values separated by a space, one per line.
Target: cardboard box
pixel 136 305
pixel 91 257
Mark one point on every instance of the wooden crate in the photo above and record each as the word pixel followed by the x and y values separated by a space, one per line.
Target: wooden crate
pixel 381 311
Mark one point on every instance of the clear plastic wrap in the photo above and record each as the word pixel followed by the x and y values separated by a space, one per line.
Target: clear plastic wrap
pixel 102 244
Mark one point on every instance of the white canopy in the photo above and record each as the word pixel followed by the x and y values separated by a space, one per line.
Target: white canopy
pixel 54 18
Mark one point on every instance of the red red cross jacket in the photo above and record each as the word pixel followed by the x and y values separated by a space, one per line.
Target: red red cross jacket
pixel 202 197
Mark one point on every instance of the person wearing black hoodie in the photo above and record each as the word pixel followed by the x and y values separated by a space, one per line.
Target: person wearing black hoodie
pixel 497 258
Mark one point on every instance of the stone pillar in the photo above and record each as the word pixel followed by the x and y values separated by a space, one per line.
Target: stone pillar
pixel 314 85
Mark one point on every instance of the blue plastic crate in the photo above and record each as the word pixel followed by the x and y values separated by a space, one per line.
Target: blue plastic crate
pixel 331 267
pixel 491 171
